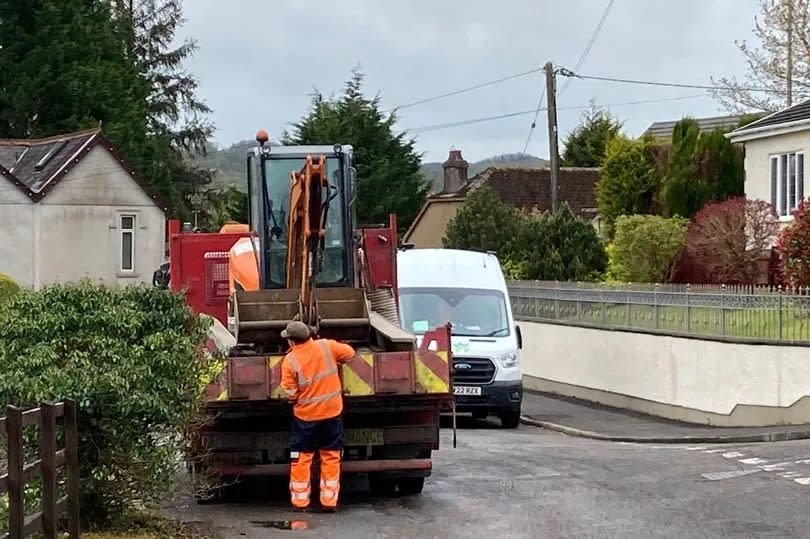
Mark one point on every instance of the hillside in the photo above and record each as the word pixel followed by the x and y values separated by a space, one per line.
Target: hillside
pixel 230 165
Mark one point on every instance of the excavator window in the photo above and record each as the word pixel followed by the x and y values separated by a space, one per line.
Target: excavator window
pixel 277 201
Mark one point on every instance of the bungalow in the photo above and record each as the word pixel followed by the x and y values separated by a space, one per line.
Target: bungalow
pixel 72 207
pixel 774 148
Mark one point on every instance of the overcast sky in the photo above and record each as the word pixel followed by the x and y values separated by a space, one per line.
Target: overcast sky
pixel 258 61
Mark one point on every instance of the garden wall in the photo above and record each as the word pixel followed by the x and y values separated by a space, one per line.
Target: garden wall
pixel 710 382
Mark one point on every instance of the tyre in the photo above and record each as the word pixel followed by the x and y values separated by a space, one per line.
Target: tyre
pixel 411 486
pixel 510 420
pixel 381 486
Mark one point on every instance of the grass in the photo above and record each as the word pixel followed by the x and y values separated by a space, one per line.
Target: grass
pixel 149 525
pixel 707 321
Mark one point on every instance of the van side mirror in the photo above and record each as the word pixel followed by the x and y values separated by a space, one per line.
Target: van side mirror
pixel 519 337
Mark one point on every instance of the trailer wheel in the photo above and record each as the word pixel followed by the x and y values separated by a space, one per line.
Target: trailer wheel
pixel 411 486
pixel 380 486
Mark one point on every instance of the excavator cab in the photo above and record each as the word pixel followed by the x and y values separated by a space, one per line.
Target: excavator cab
pixel 269 171
pixel 306 271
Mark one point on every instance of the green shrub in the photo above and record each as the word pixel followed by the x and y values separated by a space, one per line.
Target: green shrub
pixel 131 358
pixel 483 223
pixel 559 247
pixel 643 247
pixel 629 180
pixel 7 288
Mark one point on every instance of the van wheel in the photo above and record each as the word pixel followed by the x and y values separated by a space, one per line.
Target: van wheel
pixel 510 420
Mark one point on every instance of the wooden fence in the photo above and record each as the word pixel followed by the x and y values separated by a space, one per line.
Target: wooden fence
pixel 50 460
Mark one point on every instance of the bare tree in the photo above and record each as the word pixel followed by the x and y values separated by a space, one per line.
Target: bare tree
pixel 729 238
pixel 778 73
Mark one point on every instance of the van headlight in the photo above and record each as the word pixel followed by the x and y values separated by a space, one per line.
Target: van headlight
pixel 509 360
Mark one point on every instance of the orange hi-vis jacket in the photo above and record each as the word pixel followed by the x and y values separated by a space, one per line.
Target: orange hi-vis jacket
pixel 310 378
pixel 243 269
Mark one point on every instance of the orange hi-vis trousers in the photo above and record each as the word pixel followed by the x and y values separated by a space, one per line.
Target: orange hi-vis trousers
pixel 300 477
pixel 327 435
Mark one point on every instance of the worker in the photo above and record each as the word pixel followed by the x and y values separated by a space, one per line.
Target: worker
pixel 310 380
pixel 243 269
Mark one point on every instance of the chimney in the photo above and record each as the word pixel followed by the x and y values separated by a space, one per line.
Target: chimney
pixel 455 172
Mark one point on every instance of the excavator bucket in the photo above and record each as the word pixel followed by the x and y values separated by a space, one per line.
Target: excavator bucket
pixel 343 314
pixel 261 315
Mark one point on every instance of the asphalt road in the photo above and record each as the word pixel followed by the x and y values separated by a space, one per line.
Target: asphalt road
pixel 533 483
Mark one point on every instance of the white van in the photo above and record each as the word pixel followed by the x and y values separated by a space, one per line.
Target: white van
pixel 467 289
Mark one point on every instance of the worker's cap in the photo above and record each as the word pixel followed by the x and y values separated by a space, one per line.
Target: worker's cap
pixel 296 330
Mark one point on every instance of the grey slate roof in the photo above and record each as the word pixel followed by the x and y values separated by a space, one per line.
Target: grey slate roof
pixel 799 111
pixel 664 129
pixel 36 165
pixel 35 162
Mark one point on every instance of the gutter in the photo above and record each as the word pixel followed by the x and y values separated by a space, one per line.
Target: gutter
pixel 753 132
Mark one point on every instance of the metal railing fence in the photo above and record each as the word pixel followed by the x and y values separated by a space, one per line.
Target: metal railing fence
pixel 736 312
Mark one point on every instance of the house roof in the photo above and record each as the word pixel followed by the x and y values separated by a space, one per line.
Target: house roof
pixel 528 189
pixel 35 166
pixel 795 116
pixel 664 129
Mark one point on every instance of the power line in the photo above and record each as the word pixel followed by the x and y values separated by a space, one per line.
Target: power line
pixel 468 89
pixel 568 73
pixel 581 61
pixel 459 123
pixel 591 41
pixel 534 121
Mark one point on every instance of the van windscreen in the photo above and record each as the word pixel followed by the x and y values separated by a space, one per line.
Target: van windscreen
pixel 473 312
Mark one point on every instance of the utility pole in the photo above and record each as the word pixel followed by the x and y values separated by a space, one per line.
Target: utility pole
pixel 789 52
pixel 554 155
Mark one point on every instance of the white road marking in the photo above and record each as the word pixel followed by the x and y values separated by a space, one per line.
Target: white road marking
pixel 776 467
pixel 755 460
pixel 790 475
pixel 804 461
pixel 733 455
pixel 697 448
pixel 803 480
pixel 717 476
pixel 711 451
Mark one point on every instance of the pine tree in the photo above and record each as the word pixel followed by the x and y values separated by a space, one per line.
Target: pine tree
pixel 388 175
pixel 585 145
pixel 63 67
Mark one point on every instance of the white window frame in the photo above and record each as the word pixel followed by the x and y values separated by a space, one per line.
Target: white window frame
pixel 123 232
pixel 778 196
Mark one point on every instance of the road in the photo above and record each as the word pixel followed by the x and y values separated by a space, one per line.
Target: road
pixel 533 483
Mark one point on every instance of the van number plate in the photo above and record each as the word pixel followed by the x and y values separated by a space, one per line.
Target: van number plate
pixel 466 390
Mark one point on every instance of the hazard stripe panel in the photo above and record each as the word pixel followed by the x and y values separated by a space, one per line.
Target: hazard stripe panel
pixel 358 376
pixel 274 367
pixel 424 372
pixel 432 371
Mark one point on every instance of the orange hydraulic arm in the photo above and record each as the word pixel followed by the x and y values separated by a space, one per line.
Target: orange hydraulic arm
pixel 309 193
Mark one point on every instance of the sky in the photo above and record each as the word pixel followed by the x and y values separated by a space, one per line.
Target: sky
pixel 258 62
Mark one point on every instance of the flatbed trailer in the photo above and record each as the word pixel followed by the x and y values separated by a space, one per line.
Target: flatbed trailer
pixel 394 393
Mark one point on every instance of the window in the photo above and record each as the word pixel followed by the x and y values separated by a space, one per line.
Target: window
pixel 127 243
pixel 473 312
pixel 787 182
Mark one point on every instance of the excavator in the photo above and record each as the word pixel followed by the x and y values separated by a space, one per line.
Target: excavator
pixel 305 259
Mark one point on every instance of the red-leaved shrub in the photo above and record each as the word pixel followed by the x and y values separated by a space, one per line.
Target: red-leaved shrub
pixel 794 249
pixel 728 239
